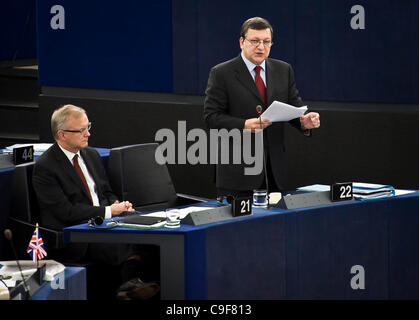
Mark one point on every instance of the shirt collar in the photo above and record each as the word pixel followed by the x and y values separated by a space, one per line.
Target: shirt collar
pixel 250 65
pixel 70 155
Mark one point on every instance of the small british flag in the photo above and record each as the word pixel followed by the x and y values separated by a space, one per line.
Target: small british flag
pixel 36 246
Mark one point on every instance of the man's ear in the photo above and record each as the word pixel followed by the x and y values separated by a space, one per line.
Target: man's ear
pixel 241 40
pixel 60 134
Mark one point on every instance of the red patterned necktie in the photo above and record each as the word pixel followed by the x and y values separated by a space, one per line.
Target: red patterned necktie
pixel 81 175
pixel 260 84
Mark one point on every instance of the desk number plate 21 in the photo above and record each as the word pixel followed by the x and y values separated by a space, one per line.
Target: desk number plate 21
pixel 241 206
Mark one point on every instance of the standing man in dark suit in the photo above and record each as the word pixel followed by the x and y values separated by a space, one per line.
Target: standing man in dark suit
pixel 235 88
pixel 72 187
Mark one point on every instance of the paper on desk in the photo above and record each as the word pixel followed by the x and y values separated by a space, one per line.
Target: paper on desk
pixel 402 192
pixel 279 111
pixel 183 212
pixel 38 148
pixel 373 186
pixel 9 268
pixel 315 188
pixel 322 187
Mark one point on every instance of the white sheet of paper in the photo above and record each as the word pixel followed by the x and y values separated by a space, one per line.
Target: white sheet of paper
pixel 315 188
pixel 279 111
pixel 10 268
pixel 38 148
pixel 402 192
pixel 182 212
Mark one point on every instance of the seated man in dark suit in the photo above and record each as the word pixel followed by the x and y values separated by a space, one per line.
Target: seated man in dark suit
pixel 72 187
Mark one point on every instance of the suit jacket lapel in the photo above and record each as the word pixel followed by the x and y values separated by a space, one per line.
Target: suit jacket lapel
pixel 269 82
pixel 243 76
pixel 68 168
pixel 88 161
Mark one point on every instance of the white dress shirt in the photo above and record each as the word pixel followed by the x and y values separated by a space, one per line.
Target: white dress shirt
pixel 90 182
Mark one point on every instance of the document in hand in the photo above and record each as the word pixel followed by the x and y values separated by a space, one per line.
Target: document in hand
pixel 279 111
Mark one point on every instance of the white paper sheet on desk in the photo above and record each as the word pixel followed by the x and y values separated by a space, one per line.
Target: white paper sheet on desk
pixel 182 212
pixel 10 268
pixel 279 111
pixel 315 188
pixel 38 148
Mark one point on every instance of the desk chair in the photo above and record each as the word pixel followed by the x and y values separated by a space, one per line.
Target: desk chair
pixel 25 213
pixel 135 176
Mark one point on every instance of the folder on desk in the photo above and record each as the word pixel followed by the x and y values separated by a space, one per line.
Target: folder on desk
pixel 365 191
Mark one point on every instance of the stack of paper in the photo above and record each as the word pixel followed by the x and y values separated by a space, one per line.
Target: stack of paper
pixel 364 191
pixel 279 111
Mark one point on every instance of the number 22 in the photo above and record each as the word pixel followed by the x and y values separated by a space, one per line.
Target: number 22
pixel 346 189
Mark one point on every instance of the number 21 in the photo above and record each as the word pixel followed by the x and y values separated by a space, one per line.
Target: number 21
pixel 243 204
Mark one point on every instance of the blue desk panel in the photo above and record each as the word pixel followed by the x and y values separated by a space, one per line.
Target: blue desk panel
pixel 291 254
pixel 74 287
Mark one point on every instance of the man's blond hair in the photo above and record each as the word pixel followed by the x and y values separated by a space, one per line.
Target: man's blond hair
pixel 61 115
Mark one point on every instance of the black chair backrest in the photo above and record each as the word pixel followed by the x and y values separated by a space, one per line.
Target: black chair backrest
pixel 135 176
pixel 24 205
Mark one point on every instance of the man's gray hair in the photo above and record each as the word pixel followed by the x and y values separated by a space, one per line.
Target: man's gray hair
pixel 61 115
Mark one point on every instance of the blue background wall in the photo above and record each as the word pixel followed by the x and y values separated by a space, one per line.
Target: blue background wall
pixel 122 45
pixel 17 30
pixel 331 60
pixel 170 46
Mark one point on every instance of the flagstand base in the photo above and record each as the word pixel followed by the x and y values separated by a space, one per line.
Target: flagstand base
pixel 39 275
pixel 33 284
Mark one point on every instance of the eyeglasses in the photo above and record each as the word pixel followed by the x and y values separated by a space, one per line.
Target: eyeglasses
pixel 81 131
pixel 255 43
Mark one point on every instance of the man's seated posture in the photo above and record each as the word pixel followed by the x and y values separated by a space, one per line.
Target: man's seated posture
pixel 72 187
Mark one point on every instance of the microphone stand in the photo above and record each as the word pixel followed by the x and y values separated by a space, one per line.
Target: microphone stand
pixel 9 236
pixel 259 111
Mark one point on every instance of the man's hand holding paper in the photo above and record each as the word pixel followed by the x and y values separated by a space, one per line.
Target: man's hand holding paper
pixel 256 123
pixel 310 120
pixel 279 111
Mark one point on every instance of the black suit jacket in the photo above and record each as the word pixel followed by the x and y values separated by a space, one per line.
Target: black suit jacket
pixel 62 197
pixel 232 97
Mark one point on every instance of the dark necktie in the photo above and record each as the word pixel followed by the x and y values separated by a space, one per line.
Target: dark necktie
pixel 260 84
pixel 81 175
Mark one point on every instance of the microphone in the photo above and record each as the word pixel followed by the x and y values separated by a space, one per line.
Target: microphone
pixel 9 236
pixel 259 112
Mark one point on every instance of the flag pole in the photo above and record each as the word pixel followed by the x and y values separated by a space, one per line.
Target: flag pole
pixel 37 237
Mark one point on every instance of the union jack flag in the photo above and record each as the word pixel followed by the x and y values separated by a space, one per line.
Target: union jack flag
pixel 36 246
